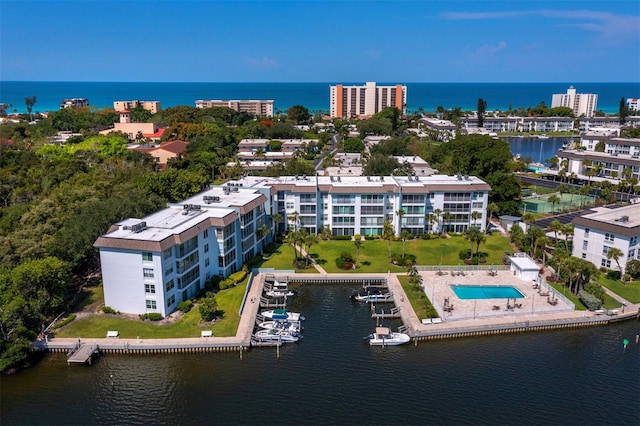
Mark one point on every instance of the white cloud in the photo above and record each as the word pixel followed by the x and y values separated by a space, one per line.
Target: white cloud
pixel 608 27
pixel 486 53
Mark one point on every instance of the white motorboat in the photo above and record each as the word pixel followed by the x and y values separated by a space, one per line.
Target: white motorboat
pixel 276 336
pixel 279 293
pixel 282 314
pixel 383 336
pixel 281 325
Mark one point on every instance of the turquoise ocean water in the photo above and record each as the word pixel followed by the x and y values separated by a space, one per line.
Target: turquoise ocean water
pixel 314 96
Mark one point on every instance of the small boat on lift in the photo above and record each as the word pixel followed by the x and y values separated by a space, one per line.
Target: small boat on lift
pixel 274 335
pixel 383 336
pixel 291 326
pixel 280 293
pixel 282 314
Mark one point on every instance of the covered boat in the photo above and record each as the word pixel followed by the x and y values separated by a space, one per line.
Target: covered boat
pixel 292 326
pixel 282 314
pixel 274 335
pixel 383 336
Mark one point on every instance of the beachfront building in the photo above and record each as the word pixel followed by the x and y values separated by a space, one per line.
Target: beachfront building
pixel 607 227
pixel 263 108
pixel 366 100
pixel 444 130
pixel 74 103
pixel 154 263
pixel 151 106
pixel 633 104
pixel 582 104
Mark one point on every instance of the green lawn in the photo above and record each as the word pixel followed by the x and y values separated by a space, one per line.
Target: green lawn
pixel 560 288
pixel 374 255
pixel 419 301
pixel 629 291
pixel 282 259
pixel 187 326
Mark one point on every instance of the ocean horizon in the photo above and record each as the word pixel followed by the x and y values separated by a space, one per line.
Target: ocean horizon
pixel 314 96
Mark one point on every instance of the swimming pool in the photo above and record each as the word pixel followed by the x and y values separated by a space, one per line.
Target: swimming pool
pixel 486 292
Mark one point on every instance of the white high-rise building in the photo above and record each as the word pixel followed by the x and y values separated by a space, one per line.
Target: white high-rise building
pixel 582 104
pixel 364 101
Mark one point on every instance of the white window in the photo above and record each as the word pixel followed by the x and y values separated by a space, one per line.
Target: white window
pixel 150 289
pixel 151 304
pixel 147 257
pixel 148 272
pixel 585 245
pixel 586 232
pixel 609 237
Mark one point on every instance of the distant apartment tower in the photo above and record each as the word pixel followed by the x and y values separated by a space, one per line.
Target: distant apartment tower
pixel 582 104
pixel 74 103
pixel 364 101
pixel 262 108
pixel 633 104
pixel 151 106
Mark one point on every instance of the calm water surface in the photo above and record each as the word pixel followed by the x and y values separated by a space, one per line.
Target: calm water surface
pixel 579 376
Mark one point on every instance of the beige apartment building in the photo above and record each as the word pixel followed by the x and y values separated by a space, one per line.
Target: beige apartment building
pixel 364 101
pixel 256 108
pixel 582 104
pixel 151 106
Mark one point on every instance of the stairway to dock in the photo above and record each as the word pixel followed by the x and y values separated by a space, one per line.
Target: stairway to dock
pixel 83 354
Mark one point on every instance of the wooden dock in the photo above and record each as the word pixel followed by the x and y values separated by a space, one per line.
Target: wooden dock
pixel 392 313
pixel 83 354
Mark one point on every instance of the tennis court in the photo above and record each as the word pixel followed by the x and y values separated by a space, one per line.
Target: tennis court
pixel 541 204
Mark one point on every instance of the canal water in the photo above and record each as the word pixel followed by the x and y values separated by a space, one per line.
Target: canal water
pixel 573 376
pixel 539 150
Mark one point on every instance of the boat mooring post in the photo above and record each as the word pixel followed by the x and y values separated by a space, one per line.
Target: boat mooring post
pixel 240 352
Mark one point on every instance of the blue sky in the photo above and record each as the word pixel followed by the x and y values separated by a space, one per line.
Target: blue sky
pixel 320 41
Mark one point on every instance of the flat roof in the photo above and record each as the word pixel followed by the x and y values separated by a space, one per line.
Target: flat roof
pixel 524 263
pixel 623 220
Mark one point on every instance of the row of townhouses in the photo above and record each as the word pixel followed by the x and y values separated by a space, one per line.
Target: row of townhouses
pixel 153 263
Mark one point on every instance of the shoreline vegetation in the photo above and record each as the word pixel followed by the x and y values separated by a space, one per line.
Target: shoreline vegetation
pixel 57 198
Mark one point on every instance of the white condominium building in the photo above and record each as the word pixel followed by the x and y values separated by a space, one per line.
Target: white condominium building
pixel 257 108
pixel 154 263
pixel 633 104
pixel 582 104
pixel 364 101
pixel 596 233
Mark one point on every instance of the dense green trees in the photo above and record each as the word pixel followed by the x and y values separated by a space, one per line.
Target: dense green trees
pixel 482 109
pixel 298 114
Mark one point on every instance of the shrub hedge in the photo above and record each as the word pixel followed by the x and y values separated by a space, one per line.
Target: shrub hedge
pixel 589 300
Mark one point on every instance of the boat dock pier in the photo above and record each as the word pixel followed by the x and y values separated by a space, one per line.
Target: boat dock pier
pixel 337 279
pixel 391 313
pixel 83 354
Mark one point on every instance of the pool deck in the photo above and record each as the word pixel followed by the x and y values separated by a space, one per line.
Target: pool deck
pixel 478 314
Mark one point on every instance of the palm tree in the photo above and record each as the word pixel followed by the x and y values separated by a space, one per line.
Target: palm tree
pixel 404 236
pixel 615 253
pixel 292 238
pixel 294 217
pixel 388 234
pixel 446 216
pixel 263 231
pixel 475 215
pixel 472 234
pixel 357 241
pixel 430 219
pixel 308 241
pixel 555 226
pixel 567 231
pixel 437 214
pixel 492 208
pixel 400 214
pixel 277 218
pixel 553 199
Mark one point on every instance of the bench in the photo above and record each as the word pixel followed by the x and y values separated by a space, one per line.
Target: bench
pixel 206 333
pixel 436 320
pixel 599 311
pixel 426 321
pixel 614 312
pixel 112 334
